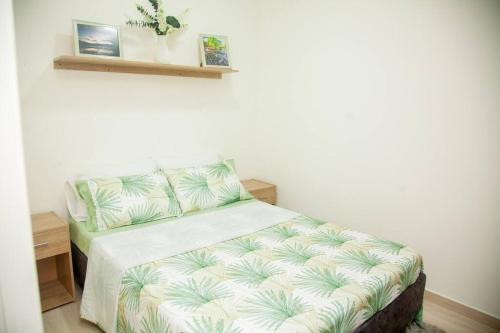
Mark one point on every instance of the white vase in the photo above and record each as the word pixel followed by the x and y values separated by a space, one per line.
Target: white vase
pixel 162 51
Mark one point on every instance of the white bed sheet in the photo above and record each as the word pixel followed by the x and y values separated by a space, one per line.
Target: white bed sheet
pixel 110 256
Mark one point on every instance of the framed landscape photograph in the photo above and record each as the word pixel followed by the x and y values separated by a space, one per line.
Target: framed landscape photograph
pixel 214 51
pixel 98 40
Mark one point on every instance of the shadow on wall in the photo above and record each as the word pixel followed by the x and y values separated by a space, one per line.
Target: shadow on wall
pixel 111 91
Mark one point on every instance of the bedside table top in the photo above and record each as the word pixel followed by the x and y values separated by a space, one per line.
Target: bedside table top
pixel 254 184
pixel 46 221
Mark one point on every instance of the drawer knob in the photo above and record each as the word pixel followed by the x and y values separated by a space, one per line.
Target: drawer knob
pixel 41 244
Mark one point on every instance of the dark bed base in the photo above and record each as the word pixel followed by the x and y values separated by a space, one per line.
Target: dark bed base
pixel 79 264
pixel 392 319
pixel 397 315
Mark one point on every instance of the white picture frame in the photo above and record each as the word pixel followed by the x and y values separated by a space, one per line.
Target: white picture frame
pixel 97 40
pixel 220 58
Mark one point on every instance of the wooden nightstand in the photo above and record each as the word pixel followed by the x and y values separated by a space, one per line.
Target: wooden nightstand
pixel 261 190
pixel 53 260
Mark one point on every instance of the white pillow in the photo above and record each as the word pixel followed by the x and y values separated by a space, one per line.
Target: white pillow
pixel 76 206
pixel 188 161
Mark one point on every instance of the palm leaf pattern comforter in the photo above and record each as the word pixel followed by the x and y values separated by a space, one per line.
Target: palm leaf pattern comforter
pixel 303 275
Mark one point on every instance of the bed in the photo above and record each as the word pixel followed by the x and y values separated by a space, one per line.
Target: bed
pixel 245 267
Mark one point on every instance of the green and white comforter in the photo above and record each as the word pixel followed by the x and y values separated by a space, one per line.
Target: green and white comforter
pixel 251 268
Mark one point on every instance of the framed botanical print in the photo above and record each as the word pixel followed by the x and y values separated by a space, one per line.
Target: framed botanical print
pixel 214 51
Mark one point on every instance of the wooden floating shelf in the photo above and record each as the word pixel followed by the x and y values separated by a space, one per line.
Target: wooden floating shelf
pixel 137 67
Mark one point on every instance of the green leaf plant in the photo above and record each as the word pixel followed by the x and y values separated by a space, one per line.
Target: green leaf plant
pixel 156 19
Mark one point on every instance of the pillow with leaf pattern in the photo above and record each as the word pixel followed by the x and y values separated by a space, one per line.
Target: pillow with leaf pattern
pixel 120 201
pixel 208 186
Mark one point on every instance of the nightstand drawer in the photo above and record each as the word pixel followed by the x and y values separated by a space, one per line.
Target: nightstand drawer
pixel 51 243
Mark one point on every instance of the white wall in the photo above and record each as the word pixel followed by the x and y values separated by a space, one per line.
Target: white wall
pixel 19 301
pixel 72 117
pixel 384 116
pixel 380 115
